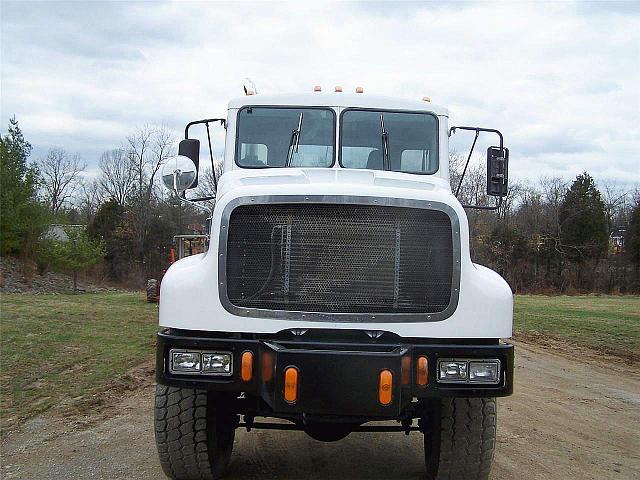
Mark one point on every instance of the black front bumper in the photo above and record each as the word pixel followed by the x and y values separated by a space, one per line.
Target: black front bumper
pixel 338 376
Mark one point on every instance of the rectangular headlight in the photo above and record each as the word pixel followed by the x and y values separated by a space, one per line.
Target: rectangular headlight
pixel 487 371
pixel 452 371
pixel 185 362
pixel 197 362
pixel 216 363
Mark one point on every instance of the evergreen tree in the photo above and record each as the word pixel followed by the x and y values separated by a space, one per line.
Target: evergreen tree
pixel 22 217
pixel 583 221
pixel 77 253
pixel 110 226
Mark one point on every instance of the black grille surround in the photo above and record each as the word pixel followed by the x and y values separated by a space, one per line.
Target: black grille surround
pixel 339 258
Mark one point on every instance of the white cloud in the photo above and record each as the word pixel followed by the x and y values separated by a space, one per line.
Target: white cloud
pixel 559 79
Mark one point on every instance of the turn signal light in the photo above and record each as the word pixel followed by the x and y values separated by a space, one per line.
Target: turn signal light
pixel 385 388
pixel 422 372
pixel 246 370
pixel 291 384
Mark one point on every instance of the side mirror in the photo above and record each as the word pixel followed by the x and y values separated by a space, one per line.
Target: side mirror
pixel 179 173
pixel 190 148
pixel 497 171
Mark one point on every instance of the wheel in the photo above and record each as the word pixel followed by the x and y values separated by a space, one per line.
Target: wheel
pixel 152 293
pixel 460 438
pixel 194 433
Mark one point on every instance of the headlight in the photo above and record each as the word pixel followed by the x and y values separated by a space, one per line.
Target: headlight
pixel 185 361
pixel 484 372
pixel 216 363
pixel 452 371
pixel 469 371
pixel 189 362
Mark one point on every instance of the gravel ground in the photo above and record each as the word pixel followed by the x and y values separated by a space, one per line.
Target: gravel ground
pixel 570 417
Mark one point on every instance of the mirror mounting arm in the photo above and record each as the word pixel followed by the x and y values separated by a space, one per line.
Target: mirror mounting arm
pixel 477 131
pixel 199 206
pixel 206 122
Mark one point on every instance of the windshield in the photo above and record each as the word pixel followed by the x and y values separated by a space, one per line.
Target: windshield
pixel 383 140
pixel 273 137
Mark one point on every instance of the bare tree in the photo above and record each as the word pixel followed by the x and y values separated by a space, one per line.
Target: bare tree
pixel 89 198
pixel 207 182
pixel 60 177
pixel 147 149
pixel 117 179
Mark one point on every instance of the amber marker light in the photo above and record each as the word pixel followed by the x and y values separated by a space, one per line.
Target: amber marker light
pixel 267 366
pixel 406 370
pixel 246 370
pixel 291 384
pixel 385 388
pixel 422 372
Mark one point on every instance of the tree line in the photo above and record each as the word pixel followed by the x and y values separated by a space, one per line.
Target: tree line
pixel 120 218
pixel 554 236
pixel 549 236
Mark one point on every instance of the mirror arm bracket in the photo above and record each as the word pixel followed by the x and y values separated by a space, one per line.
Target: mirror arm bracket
pixel 488 207
pixel 477 130
pixel 183 198
pixel 206 122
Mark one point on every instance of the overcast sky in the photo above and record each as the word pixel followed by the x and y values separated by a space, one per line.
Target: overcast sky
pixel 560 79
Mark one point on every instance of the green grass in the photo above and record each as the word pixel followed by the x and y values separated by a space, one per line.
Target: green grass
pixel 606 323
pixel 56 347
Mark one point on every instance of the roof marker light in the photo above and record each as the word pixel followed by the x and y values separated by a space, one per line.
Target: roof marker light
pixel 317 88
pixel 426 99
pixel 338 89
pixel 359 90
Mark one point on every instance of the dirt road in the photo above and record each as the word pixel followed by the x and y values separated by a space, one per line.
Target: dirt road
pixel 569 418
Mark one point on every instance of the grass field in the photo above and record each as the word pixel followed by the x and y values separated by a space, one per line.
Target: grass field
pixel 605 323
pixel 56 347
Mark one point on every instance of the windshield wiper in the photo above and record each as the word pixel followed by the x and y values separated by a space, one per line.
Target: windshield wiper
pixel 294 142
pixel 385 145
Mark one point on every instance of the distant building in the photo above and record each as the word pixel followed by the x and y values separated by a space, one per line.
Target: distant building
pixel 57 231
pixel 616 239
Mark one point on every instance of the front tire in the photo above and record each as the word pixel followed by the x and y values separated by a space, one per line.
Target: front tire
pixel 460 440
pixel 194 433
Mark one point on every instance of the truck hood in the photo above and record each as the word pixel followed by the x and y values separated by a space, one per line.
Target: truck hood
pixel 329 176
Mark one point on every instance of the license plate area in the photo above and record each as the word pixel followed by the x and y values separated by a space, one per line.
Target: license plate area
pixel 338 380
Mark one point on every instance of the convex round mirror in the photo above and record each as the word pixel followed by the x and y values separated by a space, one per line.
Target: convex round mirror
pixel 179 173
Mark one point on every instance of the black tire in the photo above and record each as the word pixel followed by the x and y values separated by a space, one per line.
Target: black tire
pixel 461 438
pixel 194 433
pixel 152 290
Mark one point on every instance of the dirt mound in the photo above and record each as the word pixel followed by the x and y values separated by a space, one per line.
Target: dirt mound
pixel 14 280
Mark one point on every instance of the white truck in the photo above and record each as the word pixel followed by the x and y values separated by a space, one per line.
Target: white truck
pixel 337 290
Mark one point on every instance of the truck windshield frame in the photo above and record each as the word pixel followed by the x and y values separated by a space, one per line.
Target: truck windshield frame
pixel 313 134
pixel 429 143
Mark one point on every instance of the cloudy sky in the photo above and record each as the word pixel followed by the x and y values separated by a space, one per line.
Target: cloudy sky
pixel 560 79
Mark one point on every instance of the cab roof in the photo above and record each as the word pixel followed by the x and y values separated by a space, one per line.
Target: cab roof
pixel 337 99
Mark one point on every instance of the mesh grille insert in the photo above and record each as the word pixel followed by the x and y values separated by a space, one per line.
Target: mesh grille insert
pixel 339 258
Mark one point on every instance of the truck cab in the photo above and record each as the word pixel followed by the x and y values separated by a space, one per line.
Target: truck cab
pixel 338 291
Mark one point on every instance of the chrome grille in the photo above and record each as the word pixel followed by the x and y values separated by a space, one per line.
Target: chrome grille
pixel 339 258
